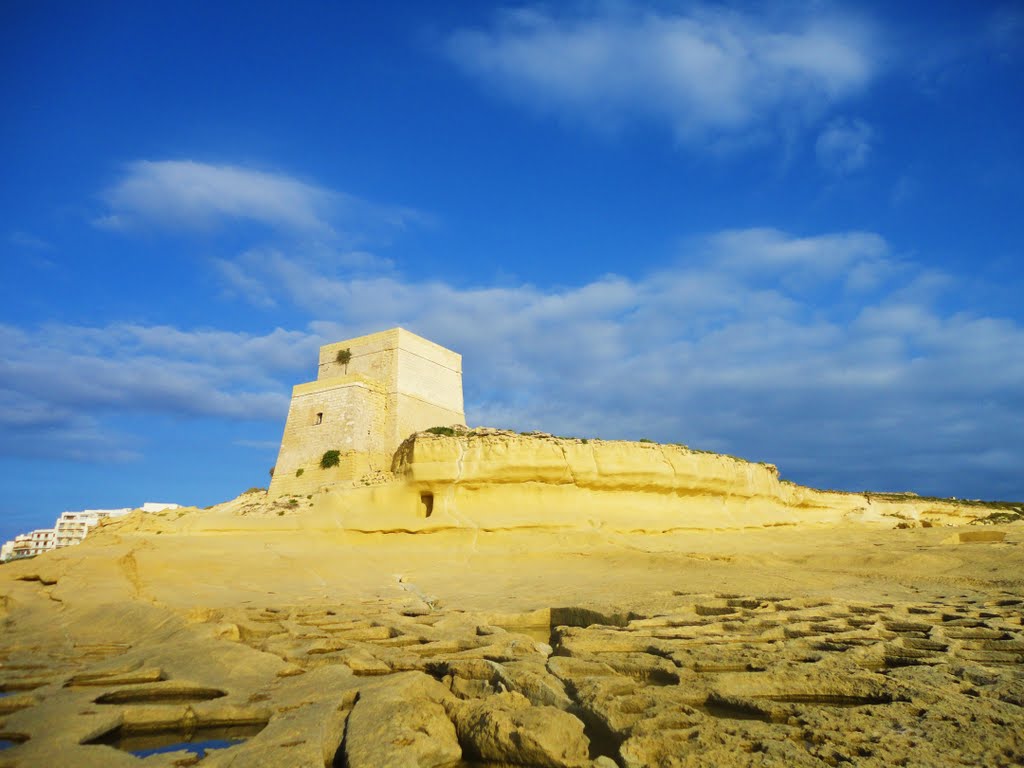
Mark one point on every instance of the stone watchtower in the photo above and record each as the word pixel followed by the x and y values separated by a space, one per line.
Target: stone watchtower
pixel 395 383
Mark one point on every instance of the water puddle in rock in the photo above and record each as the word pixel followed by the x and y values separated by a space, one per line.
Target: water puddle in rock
pixel 198 741
pixel 8 740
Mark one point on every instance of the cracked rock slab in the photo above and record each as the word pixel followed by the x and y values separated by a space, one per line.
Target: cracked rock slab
pixel 506 728
pixel 401 723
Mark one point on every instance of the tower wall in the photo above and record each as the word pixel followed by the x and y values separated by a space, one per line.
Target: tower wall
pixel 395 383
pixel 428 392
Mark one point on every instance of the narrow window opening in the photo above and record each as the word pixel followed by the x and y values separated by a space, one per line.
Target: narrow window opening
pixel 319 418
pixel 426 504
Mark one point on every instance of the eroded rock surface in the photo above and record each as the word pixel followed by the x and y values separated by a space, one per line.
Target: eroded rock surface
pixel 401 721
pixel 712 679
pixel 506 728
pixel 768 648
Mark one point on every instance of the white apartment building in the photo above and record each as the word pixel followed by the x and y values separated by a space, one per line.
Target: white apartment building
pixel 71 528
pixel 34 543
pixel 158 506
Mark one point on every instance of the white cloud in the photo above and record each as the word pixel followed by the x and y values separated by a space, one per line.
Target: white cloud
pixel 187 194
pixel 706 73
pixel 844 145
pixel 239 284
pixel 127 369
pixel 35 427
pixel 763 250
pixel 184 194
pixel 826 354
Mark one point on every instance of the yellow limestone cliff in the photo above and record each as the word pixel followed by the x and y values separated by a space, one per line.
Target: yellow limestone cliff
pixel 496 478
pixel 373 408
pixel 493 480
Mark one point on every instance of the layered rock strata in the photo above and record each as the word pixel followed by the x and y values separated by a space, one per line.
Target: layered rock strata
pixel 495 479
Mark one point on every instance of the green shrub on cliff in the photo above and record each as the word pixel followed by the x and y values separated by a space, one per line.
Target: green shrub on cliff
pixel 344 357
pixel 330 459
pixel 445 431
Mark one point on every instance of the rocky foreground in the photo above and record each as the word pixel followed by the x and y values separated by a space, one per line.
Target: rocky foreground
pixel 305 635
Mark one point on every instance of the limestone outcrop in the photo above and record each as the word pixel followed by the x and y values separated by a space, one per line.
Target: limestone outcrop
pixel 487 480
pixel 293 665
pixel 495 478
pixel 401 723
pixel 506 728
pixel 373 393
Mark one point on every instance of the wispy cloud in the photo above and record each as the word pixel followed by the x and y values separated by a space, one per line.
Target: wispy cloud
pixel 1005 31
pixel 262 445
pixel 237 283
pixel 29 241
pixel 904 190
pixel 189 195
pixel 134 369
pixel 183 193
pixel 32 426
pixel 30 250
pixel 707 72
pixel 829 354
pixel 844 145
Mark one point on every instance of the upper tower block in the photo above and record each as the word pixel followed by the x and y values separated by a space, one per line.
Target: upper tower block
pixel 394 383
pixel 422 380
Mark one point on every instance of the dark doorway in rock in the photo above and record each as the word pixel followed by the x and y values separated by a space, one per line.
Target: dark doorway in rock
pixel 426 504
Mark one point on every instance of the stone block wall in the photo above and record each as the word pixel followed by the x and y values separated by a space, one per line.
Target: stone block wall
pixel 415 415
pixel 346 414
pixel 396 383
pixel 372 356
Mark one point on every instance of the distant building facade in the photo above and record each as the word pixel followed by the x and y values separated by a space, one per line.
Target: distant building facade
pixel 33 543
pixel 71 528
pixel 158 506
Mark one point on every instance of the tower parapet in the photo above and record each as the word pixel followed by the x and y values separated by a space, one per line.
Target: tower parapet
pixel 363 404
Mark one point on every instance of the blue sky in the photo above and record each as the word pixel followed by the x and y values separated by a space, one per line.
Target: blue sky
pixel 793 235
